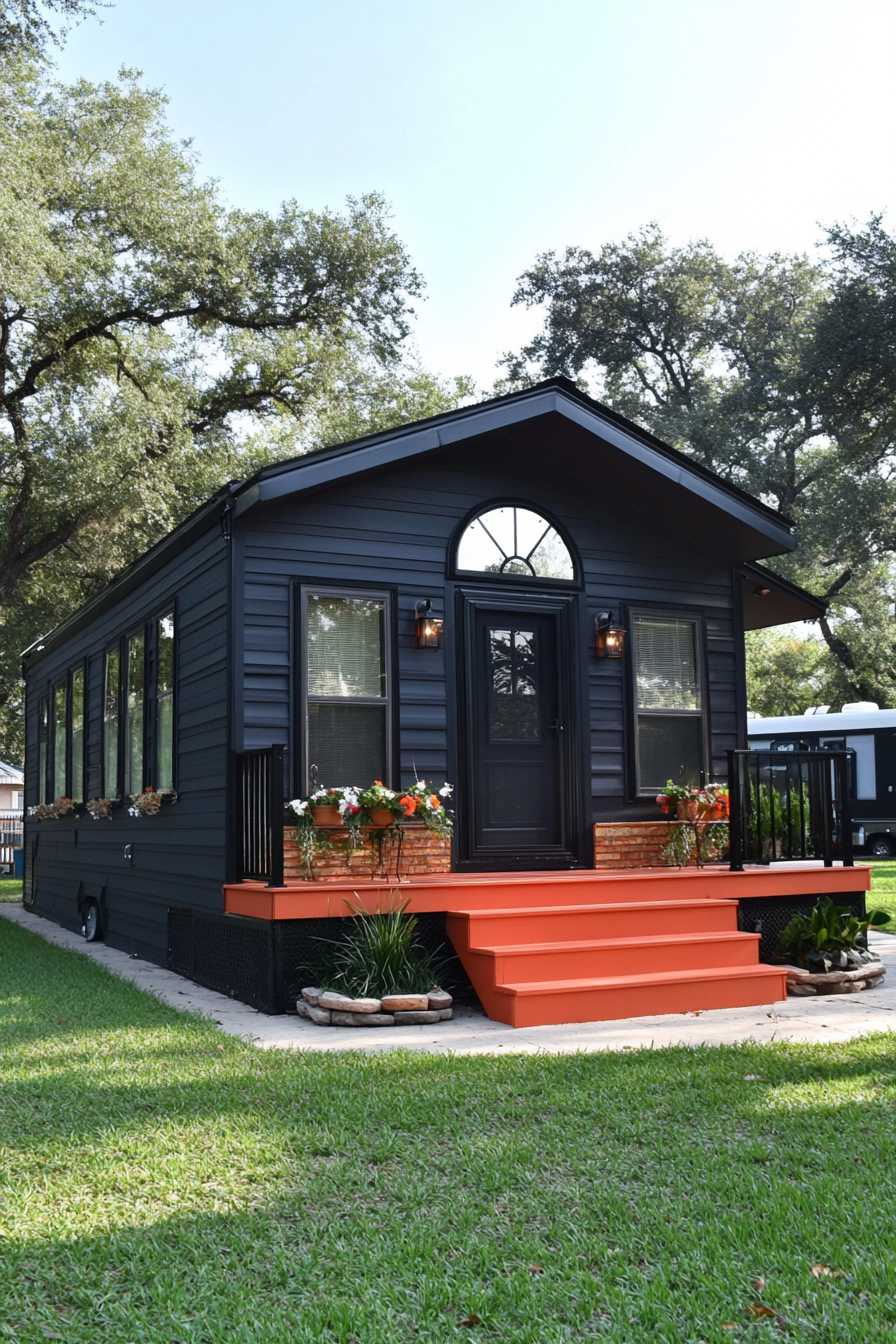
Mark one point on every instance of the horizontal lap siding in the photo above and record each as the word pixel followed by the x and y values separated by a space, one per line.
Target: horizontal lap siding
pixel 179 856
pixel 395 529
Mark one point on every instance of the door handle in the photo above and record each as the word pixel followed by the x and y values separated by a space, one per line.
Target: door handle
pixel 556 727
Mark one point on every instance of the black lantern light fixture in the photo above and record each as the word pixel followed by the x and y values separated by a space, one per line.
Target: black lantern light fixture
pixel 609 639
pixel 429 627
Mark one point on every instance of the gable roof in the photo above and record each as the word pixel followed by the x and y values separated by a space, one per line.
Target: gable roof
pixel 692 494
pixel 555 396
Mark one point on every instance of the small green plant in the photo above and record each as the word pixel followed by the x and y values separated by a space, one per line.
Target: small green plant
pixel 780 821
pixel 829 937
pixel 379 954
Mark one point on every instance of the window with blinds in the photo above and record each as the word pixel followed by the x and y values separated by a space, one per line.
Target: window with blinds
pixel 669 706
pixel 346 688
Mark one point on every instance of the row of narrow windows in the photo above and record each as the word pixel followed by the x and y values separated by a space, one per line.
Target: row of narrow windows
pixel 137 748
pixel 347 702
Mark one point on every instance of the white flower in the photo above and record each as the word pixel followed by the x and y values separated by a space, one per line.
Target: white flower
pixel 298 807
pixel 446 790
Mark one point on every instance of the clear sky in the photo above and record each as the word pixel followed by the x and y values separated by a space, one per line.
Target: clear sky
pixel 499 129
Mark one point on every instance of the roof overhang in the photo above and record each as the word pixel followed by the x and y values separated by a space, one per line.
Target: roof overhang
pixel 770 600
pixel 761 530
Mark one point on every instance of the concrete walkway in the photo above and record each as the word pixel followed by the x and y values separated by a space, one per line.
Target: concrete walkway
pixel 840 1017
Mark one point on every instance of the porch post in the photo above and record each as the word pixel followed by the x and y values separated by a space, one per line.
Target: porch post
pixel 735 816
pixel 275 804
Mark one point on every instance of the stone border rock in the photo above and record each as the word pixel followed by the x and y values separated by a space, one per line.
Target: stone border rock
pixel 395 1010
pixel 805 984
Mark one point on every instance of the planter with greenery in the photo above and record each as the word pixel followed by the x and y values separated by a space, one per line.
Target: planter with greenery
pixel 826 952
pixel 378 974
pixel 101 808
pixel 62 807
pixel 149 802
pixel 700 835
pixel 376 809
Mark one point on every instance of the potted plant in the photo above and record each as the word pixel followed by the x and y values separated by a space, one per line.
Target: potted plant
pixel 62 807
pixel 422 804
pixel 680 799
pixel 333 807
pixel 149 802
pixel 101 808
pixel 380 807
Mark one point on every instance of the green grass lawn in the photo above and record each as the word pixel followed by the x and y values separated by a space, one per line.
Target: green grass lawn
pixel 10 889
pixel 883 888
pixel 160 1183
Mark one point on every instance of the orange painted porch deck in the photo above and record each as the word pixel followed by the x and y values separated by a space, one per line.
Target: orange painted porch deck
pixel 585 946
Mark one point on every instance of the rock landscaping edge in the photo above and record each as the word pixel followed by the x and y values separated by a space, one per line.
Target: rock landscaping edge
pixel 805 984
pixel 394 1010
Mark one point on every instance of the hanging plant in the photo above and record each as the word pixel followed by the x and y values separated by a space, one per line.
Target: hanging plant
pixel 149 802
pixel 101 808
pixel 63 807
pixel 421 804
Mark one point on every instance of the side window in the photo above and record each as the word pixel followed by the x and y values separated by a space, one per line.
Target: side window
pixel 135 698
pixel 164 773
pixel 77 785
pixel 59 735
pixel 668 702
pixel 43 738
pixel 347 706
pixel 111 723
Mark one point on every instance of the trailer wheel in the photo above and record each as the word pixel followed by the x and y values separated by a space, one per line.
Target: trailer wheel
pixel 90 922
pixel 882 849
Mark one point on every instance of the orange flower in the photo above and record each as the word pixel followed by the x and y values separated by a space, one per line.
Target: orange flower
pixel 378 782
pixel 435 802
pixel 409 805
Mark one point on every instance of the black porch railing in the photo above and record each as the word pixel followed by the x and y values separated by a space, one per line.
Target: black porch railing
pixel 259 802
pixel 789 805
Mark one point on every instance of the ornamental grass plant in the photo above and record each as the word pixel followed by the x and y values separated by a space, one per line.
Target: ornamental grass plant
pixel 378 954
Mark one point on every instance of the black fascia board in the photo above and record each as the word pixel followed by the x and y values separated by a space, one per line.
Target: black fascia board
pixel 326 466
pixel 764 575
pixel 199 521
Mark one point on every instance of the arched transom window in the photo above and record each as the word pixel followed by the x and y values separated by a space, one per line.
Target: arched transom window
pixel 512 540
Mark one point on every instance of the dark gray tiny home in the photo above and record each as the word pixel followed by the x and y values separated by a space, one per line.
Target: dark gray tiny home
pixel 285 611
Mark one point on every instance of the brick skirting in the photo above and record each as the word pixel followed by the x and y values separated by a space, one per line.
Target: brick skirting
pixel 633 844
pixel 407 850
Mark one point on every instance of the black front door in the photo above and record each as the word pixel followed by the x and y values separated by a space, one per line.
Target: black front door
pixel 519 813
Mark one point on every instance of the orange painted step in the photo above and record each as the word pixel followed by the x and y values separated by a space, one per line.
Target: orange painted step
pixel 532 962
pixel 564 923
pixel 610 998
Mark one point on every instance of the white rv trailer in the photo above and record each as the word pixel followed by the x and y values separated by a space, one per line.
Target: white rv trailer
pixel 862 728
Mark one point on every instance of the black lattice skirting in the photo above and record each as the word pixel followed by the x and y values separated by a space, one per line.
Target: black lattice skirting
pixel 770 915
pixel 267 963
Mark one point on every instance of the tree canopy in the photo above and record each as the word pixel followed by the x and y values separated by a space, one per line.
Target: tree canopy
pixel 774 371
pixel 155 342
pixel 27 27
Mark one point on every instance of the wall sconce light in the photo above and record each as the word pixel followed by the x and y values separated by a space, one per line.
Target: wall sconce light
pixel 429 627
pixel 609 639
pixel 761 592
